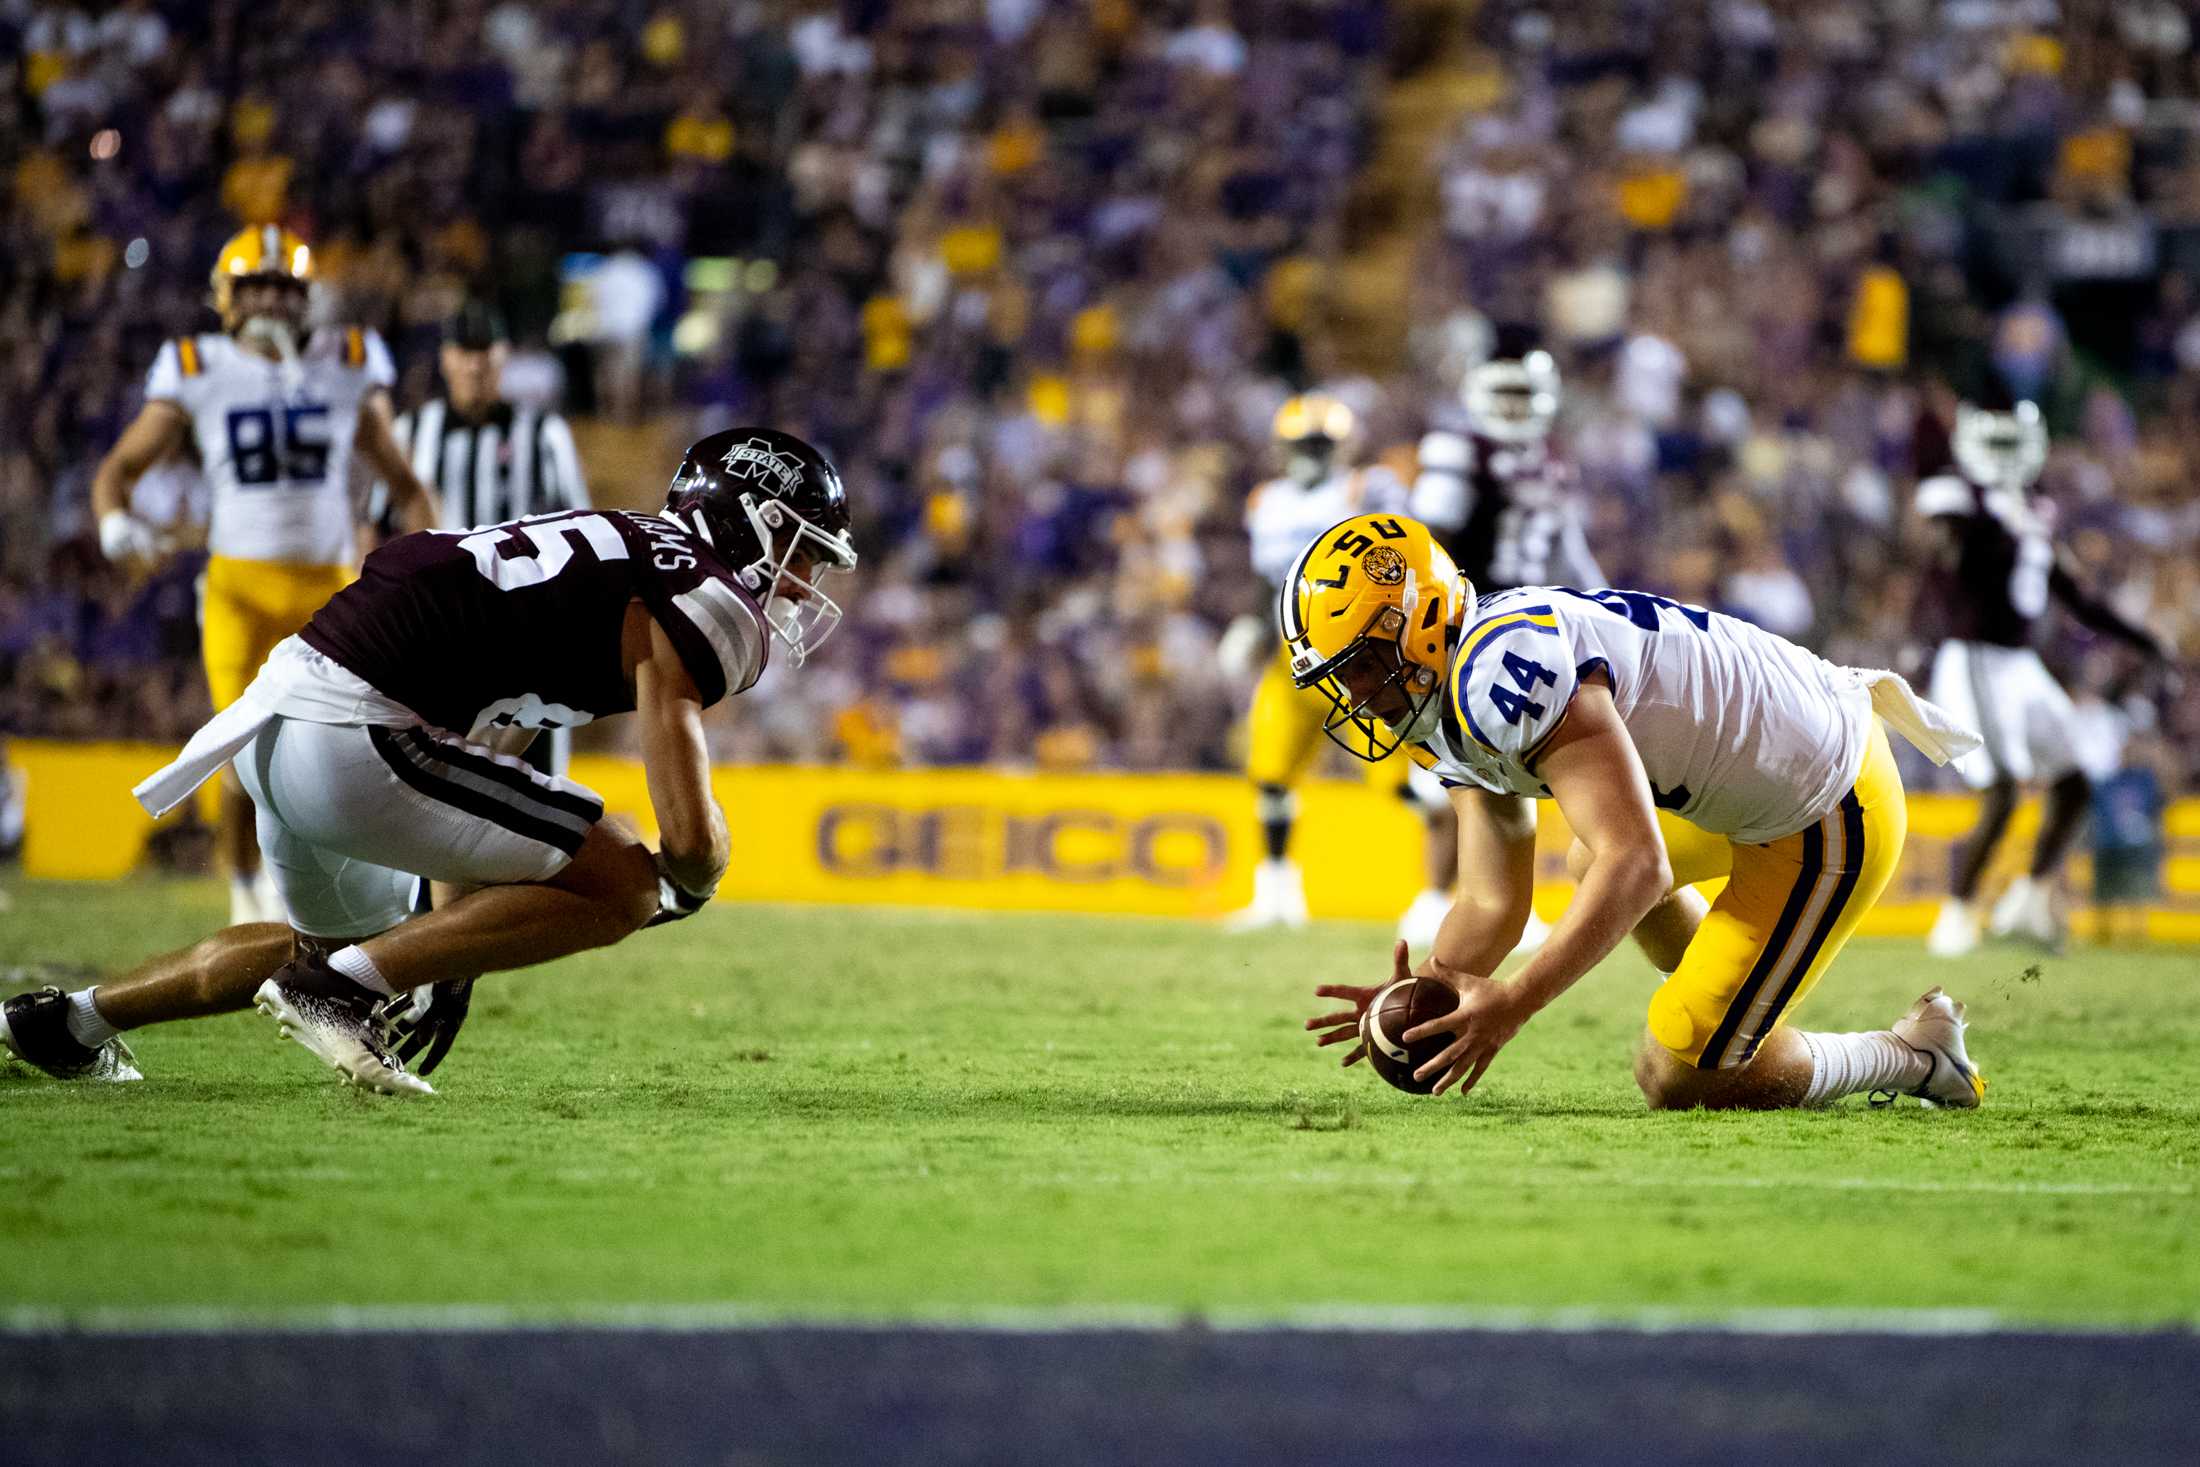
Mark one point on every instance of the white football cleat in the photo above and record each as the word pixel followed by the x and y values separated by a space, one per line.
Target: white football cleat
pixel 334 1020
pixel 1279 899
pixel 1934 1028
pixel 2027 910
pixel 1418 926
pixel 1955 930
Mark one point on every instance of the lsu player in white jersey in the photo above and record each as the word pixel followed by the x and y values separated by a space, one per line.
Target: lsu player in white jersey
pixel 276 417
pixel 1314 437
pixel 1680 745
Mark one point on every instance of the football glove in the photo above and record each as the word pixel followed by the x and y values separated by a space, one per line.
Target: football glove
pixel 123 536
pixel 422 1024
pixel 674 901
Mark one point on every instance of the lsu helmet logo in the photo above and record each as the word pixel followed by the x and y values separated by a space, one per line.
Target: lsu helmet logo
pixel 1384 566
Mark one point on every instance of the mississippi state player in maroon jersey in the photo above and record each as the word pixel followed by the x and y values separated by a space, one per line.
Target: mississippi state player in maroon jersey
pixel 1502 500
pixel 1499 496
pixel 1993 573
pixel 370 746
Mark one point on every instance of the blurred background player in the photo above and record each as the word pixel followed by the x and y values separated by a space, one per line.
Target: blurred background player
pixel 1994 570
pixel 1501 498
pixel 486 460
pixel 1314 438
pixel 275 421
pixel 2126 824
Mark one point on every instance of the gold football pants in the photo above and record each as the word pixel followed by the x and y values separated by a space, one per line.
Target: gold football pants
pixel 1787 908
pixel 1284 733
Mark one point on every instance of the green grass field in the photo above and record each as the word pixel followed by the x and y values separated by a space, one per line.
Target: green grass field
pixel 825 1112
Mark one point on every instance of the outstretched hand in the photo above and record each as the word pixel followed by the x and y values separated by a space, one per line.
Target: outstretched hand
pixel 1344 1025
pixel 1488 1016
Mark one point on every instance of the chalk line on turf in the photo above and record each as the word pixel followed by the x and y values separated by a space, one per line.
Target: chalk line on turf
pixel 702 1317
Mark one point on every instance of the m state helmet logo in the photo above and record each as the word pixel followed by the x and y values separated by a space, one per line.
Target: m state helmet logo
pixel 755 459
pixel 1384 566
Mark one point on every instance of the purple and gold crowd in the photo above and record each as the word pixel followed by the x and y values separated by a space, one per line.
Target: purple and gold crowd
pixel 1038 273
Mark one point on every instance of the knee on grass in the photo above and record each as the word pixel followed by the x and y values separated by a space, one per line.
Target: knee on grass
pixel 614 874
pixel 1667 1081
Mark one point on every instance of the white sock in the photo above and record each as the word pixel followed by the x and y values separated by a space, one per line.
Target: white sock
pixel 1843 1064
pixel 244 900
pixel 354 964
pixel 87 1025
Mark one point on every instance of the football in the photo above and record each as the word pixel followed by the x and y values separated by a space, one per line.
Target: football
pixel 1401 1006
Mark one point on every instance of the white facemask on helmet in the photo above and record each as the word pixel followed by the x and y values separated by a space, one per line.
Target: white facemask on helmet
pixel 1513 401
pixel 2001 450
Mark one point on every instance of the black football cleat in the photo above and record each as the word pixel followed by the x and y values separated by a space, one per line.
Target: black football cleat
pixel 35 1029
pixel 336 1020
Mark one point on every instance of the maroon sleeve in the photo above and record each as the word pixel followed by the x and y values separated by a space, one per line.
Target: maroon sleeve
pixel 711 620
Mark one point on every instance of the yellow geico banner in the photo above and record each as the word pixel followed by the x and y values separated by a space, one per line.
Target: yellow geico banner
pixel 1161 844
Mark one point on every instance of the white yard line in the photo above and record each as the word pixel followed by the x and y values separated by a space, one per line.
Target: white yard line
pixel 461 1319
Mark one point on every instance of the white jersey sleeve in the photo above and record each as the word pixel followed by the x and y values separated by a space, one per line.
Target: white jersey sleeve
pixel 381 367
pixel 1513 680
pixel 1443 490
pixel 1944 494
pixel 1274 525
pixel 165 381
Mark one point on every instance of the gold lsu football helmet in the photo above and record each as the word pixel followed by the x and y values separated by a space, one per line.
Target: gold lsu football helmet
pixel 1367 613
pixel 262 252
pixel 1312 432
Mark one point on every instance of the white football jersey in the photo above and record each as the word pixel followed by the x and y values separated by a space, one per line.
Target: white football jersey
pixel 1282 515
pixel 1740 732
pixel 275 441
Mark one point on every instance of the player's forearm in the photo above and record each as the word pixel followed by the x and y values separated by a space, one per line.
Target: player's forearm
pixel 691 828
pixel 414 506
pixel 1616 893
pixel 117 473
pixel 696 850
pixel 1475 937
pixel 110 491
pixel 2092 612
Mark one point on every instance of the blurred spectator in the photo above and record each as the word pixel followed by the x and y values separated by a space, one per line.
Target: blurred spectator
pixel 1038 272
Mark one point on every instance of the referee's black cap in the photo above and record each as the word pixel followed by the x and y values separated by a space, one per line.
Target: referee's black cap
pixel 476 327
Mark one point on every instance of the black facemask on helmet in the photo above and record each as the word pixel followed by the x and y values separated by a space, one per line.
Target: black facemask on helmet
pixel 774 509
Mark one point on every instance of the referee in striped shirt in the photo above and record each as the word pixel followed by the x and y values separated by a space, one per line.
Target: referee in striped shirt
pixel 487 460
pixel 490 461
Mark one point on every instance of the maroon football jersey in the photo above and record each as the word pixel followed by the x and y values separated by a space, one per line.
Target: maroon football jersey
pixel 1505 511
pixel 520 623
pixel 1996 586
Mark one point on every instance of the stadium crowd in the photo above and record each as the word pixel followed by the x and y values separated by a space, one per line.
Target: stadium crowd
pixel 1038 272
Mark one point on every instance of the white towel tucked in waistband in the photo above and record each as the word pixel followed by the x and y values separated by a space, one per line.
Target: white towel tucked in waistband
pixel 1931 728
pixel 297 682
